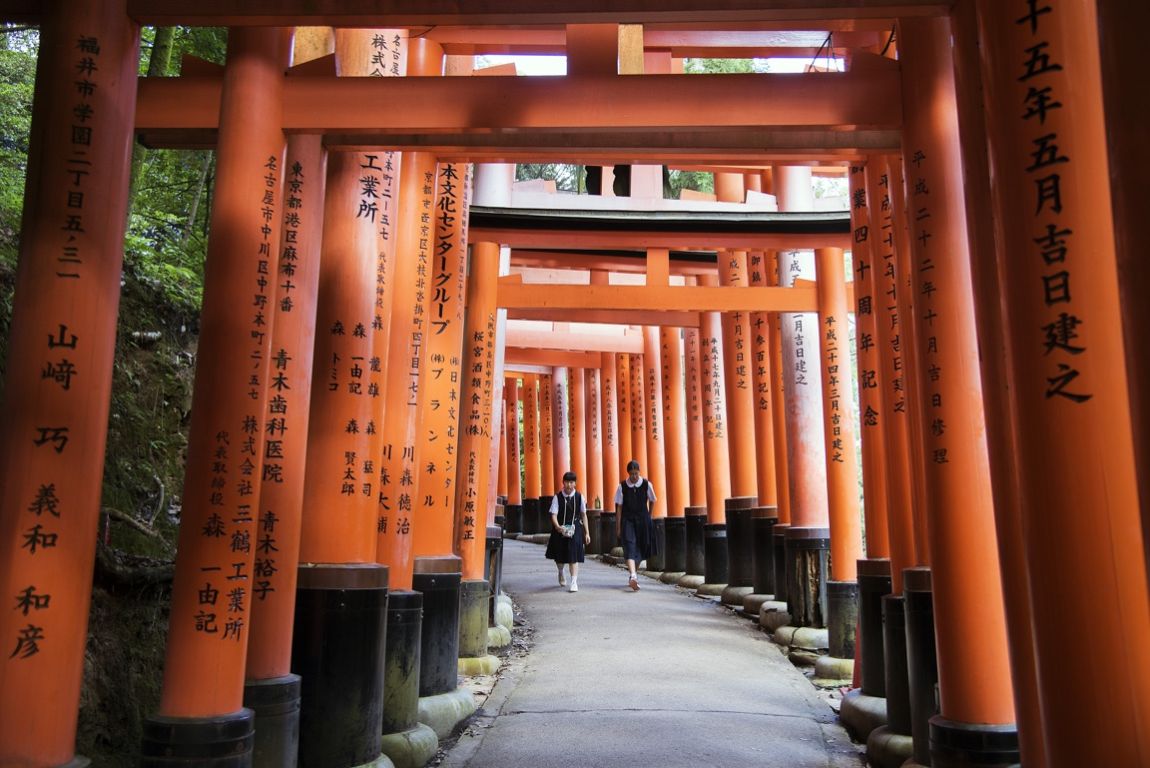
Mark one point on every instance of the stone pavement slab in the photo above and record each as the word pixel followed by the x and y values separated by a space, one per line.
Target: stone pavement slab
pixel 649 678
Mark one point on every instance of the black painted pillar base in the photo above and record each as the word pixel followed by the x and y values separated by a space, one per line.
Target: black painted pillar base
pixel 807 552
pixel 493 568
pixel 740 545
pixel 529 520
pixel 401 671
pixel 338 643
pixel 842 618
pixel 763 521
pixel 894 662
pixel 717 568
pixel 655 562
pixel 874 583
pixel 675 538
pixel 438 578
pixel 473 602
pixel 965 745
pixel 608 537
pixel 921 657
pixel 276 704
pixel 593 528
pixel 543 515
pixel 224 741
pixel 696 522
pixel 779 551
pixel 513 518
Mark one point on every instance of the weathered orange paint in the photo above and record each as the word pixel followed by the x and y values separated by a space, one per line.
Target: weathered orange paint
pixel 974 678
pixel 442 361
pixel 656 468
pixel 50 479
pixel 801 393
pixel 532 482
pixel 890 336
pixel 872 416
pixel 546 438
pixel 560 423
pixel 715 426
pixel 635 394
pixel 692 381
pixel 762 396
pixel 594 481
pixel 513 462
pixel 284 466
pixel 204 669
pixel 1059 277
pixel 475 432
pixel 739 366
pixel 612 429
pixel 779 406
pixel 399 501
pixel 838 416
pixel 677 475
pixel 578 385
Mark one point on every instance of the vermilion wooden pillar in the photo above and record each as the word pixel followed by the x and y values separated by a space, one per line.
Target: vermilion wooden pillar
pixel 442 349
pixel 501 490
pixel 475 440
pixel 546 438
pixel 1058 270
pixel 594 439
pixel 715 423
pixel 872 417
pixel 635 392
pixel 763 386
pixel 578 386
pixel 692 379
pixel 802 390
pixel 59 370
pixel 655 471
pixel 890 329
pixel 993 362
pixel 838 422
pixel 1121 53
pixel 513 474
pixel 623 408
pixel 608 379
pixel 779 407
pixel 560 424
pixel 214 581
pixel 400 501
pixel 677 475
pixel 531 477
pixel 974 678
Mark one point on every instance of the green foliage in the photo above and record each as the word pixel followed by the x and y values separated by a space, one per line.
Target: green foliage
pixel 567 178
pixel 17 77
pixel 674 182
pixel 723 66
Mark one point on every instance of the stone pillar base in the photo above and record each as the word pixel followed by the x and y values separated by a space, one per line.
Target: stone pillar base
pixel 753 605
pixel 710 590
pixel 470 666
pixel 887 749
pixel 504 614
pixel 672 577
pixel 803 645
pixel 772 615
pixel 733 596
pixel 833 672
pixel 199 742
pixel 443 712
pixel 498 637
pixel 861 714
pixel 411 748
pixel 691 580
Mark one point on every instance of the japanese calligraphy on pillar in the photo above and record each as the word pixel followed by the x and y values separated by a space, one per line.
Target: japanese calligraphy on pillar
pixel 831 331
pixel 653 402
pixel 868 357
pixel 919 211
pixel 1042 108
pixel 593 415
pixel 479 355
pixel 691 355
pixel 623 387
pixel 760 336
pixel 439 411
pixel 714 406
pixel 885 294
pixel 638 406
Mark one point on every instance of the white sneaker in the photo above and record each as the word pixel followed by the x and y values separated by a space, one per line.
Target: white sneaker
pixel 574 586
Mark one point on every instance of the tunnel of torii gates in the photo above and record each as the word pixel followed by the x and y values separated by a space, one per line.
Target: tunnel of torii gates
pixel 355 445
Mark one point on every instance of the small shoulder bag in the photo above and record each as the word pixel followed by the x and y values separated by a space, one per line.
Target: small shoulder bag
pixel 568 528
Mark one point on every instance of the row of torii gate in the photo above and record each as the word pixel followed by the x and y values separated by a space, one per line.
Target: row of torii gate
pixel 347 410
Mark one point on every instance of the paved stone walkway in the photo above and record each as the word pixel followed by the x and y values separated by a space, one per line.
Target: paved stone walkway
pixel 650 679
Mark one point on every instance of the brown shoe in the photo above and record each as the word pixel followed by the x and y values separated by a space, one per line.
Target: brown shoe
pixel 633 583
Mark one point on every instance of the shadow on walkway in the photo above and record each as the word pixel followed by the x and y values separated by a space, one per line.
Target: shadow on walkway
pixel 648 679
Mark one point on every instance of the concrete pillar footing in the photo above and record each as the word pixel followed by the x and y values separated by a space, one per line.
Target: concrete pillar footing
pixel 691 581
pixel 753 605
pixel 672 577
pixel 710 590
pixel 887 749
pixel 861 714
pixel 657 575
pixel 833 672
pixel 733 596
pixel 773 615
pixel 411 748
pixel 444 711
pixel 471 666
pixel 504 614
